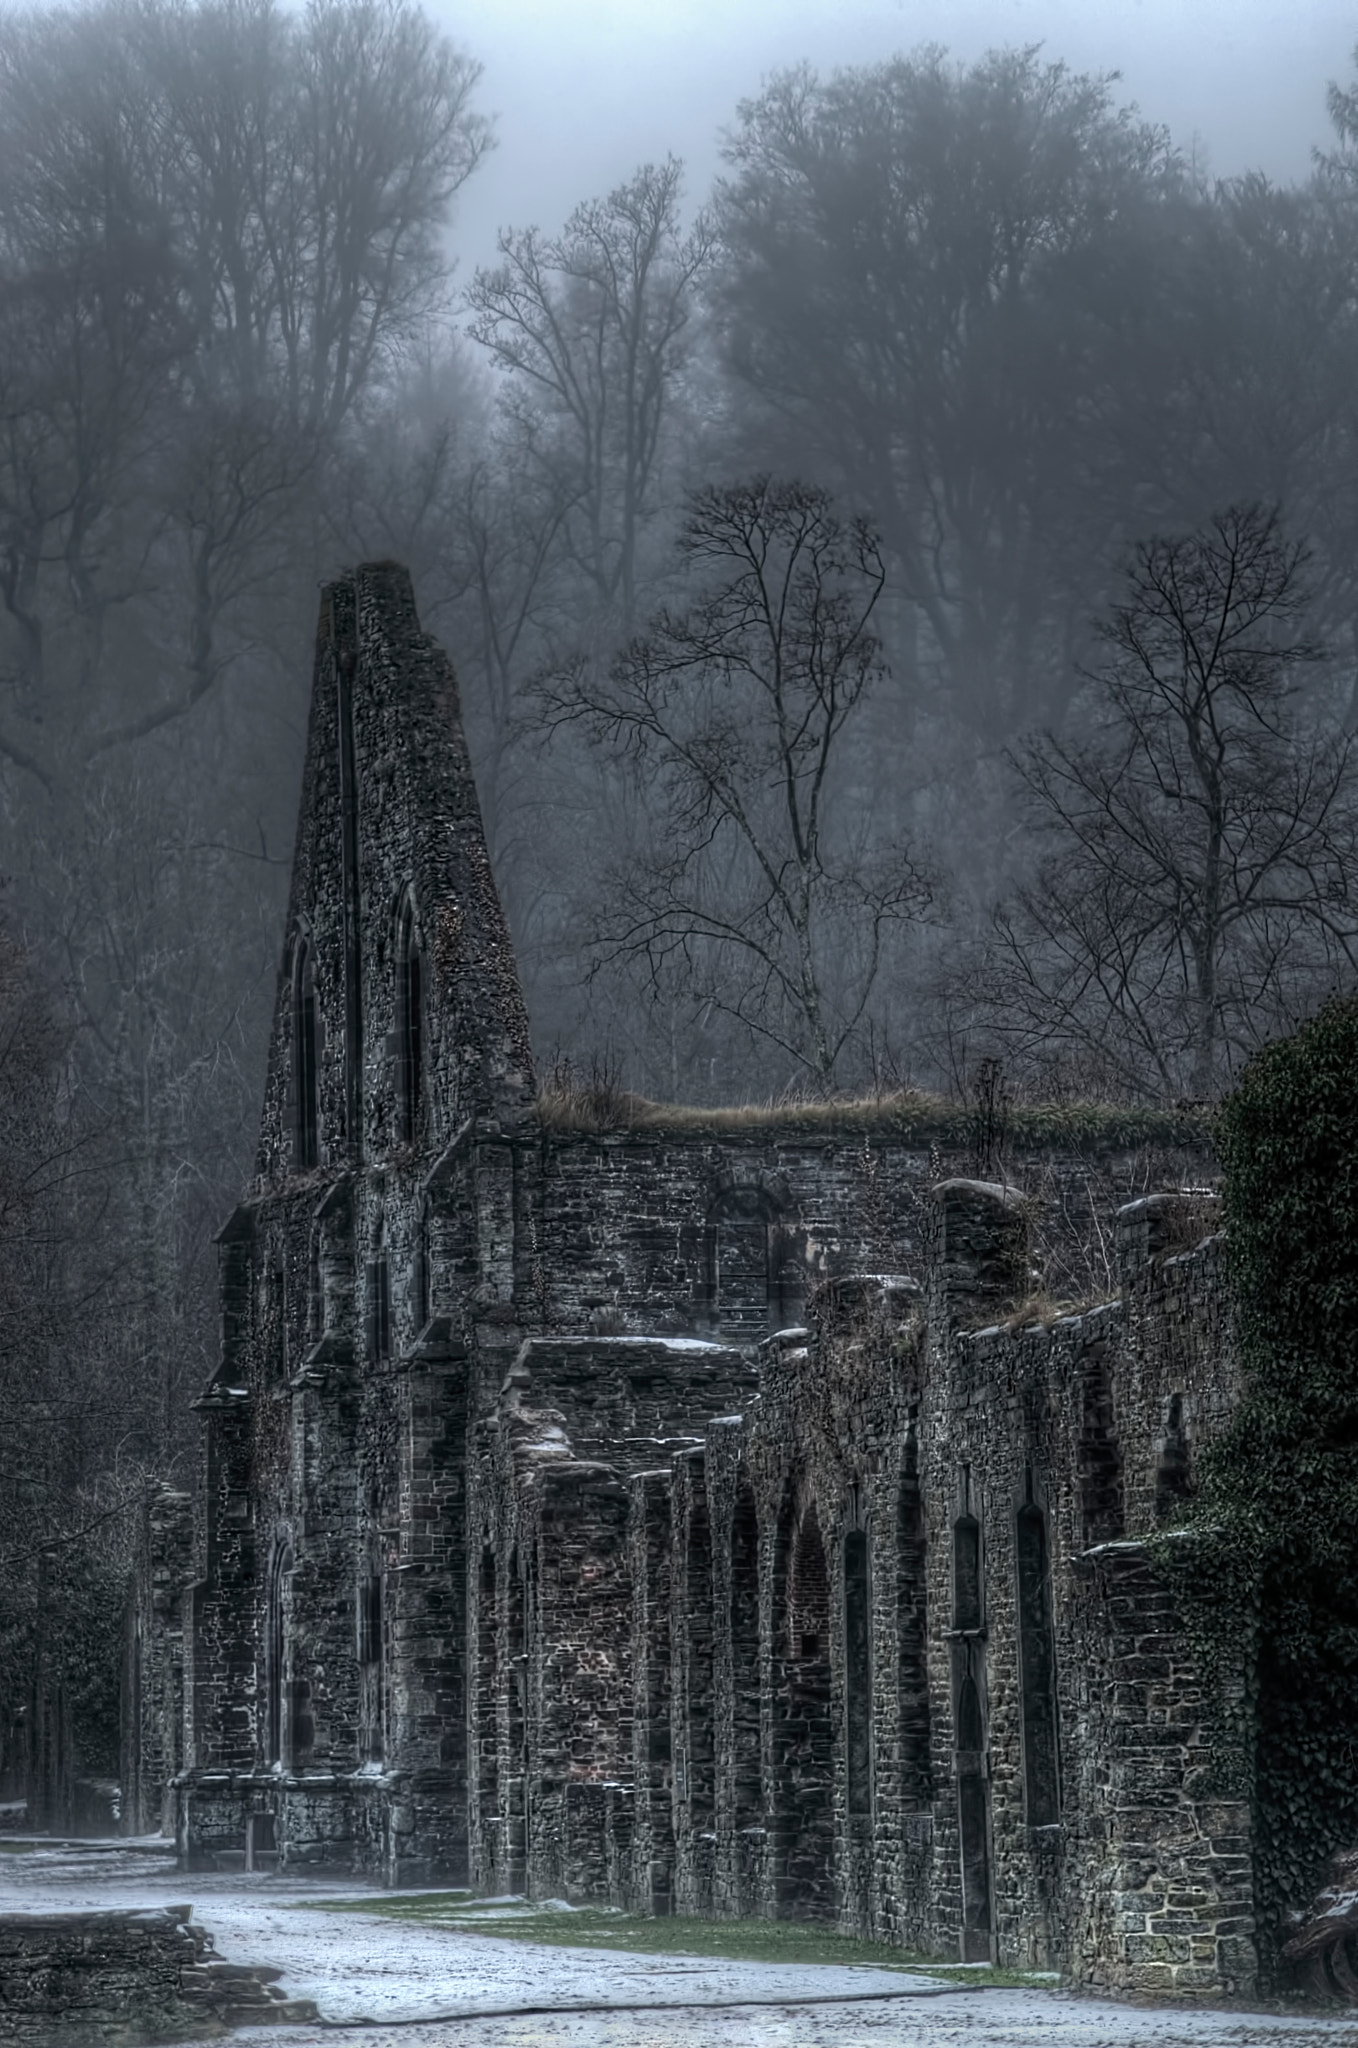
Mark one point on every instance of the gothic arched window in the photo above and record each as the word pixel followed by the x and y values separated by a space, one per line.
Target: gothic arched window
pixel 378 1289
pixel 1037 1669
pixel 305 1055
pixel 409 1023
pixel 275 1656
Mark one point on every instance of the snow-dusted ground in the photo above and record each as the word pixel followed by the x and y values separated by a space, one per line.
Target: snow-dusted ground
pixel 379 1981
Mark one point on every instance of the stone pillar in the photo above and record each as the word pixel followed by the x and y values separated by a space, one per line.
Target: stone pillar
pixel 653 1832
pixel 429 1625
pixel 1164 1903
pixel 978 1252
pixel 585 1620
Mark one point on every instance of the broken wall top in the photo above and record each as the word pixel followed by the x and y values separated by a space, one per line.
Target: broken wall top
pixel 389 817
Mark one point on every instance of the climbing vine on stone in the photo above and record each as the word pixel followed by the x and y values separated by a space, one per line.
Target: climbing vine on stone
pixel 1277 1514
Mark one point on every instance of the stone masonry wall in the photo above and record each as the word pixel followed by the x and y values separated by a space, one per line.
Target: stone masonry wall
pixel 715 1512
pixel 968 1727
pixel 100 1980
pixel 120 1979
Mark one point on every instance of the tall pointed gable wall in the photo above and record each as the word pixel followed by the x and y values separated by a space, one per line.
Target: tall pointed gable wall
pixel 389 814
pixel 315 907
pixel 420 826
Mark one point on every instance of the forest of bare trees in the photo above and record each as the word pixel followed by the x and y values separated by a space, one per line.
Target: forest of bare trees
pixel 904 603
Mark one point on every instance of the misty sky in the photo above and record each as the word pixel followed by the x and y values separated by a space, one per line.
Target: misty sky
pixel 584 90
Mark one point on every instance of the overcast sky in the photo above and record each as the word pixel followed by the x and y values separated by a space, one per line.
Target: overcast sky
pixel 585 90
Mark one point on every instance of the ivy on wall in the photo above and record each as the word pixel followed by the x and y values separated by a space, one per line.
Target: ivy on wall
pixel 1277 1511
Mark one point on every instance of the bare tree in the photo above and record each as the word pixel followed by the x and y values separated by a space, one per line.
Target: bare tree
pixel 219 227
pixel 928 272
pixel 74 1421
pixel 1198 883
pixel 754 877
pixel 595 324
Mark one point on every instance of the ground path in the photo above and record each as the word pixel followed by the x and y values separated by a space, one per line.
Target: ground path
pixel 389 1985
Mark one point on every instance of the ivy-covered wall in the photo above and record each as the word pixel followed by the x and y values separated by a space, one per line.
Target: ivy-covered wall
pixel 1273 1556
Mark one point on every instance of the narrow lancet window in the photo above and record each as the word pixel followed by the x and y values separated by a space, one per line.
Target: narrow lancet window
pixel 275 1654
pixel 305 1061
pixel 379 1305
pixel 912 1636
pixel 699 1729
pixel 858 1671
pixel 966 1573
pixel 409 1025
pixel 745 1673
pixel 371 1664
pixel 1037 1670
pixel 1101 1491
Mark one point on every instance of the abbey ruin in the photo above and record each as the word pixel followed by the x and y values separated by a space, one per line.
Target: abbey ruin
pixel 681 1514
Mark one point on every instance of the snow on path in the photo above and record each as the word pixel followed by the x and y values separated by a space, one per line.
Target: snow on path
pixel 994 2019
pixel 402 1980
pixel 357 1966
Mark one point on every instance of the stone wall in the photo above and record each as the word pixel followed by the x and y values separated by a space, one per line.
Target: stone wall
pixel 706 1513
pixel 79 1980
pixel 120 1979
pixel 1165 1904
pixel 922 1679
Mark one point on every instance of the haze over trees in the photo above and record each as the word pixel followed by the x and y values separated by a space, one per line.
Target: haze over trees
pixel 968 363
pixel 752 880
pixel 1196 884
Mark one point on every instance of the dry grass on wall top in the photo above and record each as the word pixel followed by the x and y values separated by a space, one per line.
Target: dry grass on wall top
pixel 597 1104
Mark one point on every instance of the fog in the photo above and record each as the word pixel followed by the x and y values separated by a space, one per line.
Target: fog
pixel 582 94
pixel 901 574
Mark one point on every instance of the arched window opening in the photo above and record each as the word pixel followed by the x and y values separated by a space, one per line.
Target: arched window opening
pixel 858 1671
pixel 420 1291
pixel 966 1567
pixel 276 1335
pixel 409 1025
pixel 656 1796
pixel 315 1293
pixel 275 1655
pixel 371 1664
pixel 700 1731
pixel 806 1761
pixel 305 1057
pixel 1037 1670
pixel 969 1737
pixel 488 1718
pixel 748 1290
pixel 1174 1465
pixel 1101 1495
pixel 518 1785
pixel 379 1303
pixel 912 1638
pixel 745 1679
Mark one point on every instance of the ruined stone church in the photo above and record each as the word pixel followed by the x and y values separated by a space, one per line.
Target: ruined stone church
pixel 674 1514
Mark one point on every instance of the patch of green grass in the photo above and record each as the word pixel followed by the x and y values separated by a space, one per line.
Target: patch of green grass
pixel 745 1941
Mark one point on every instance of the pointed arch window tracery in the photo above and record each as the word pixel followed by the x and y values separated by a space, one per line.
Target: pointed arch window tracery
pixel 410 1022
pixel 305 1055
